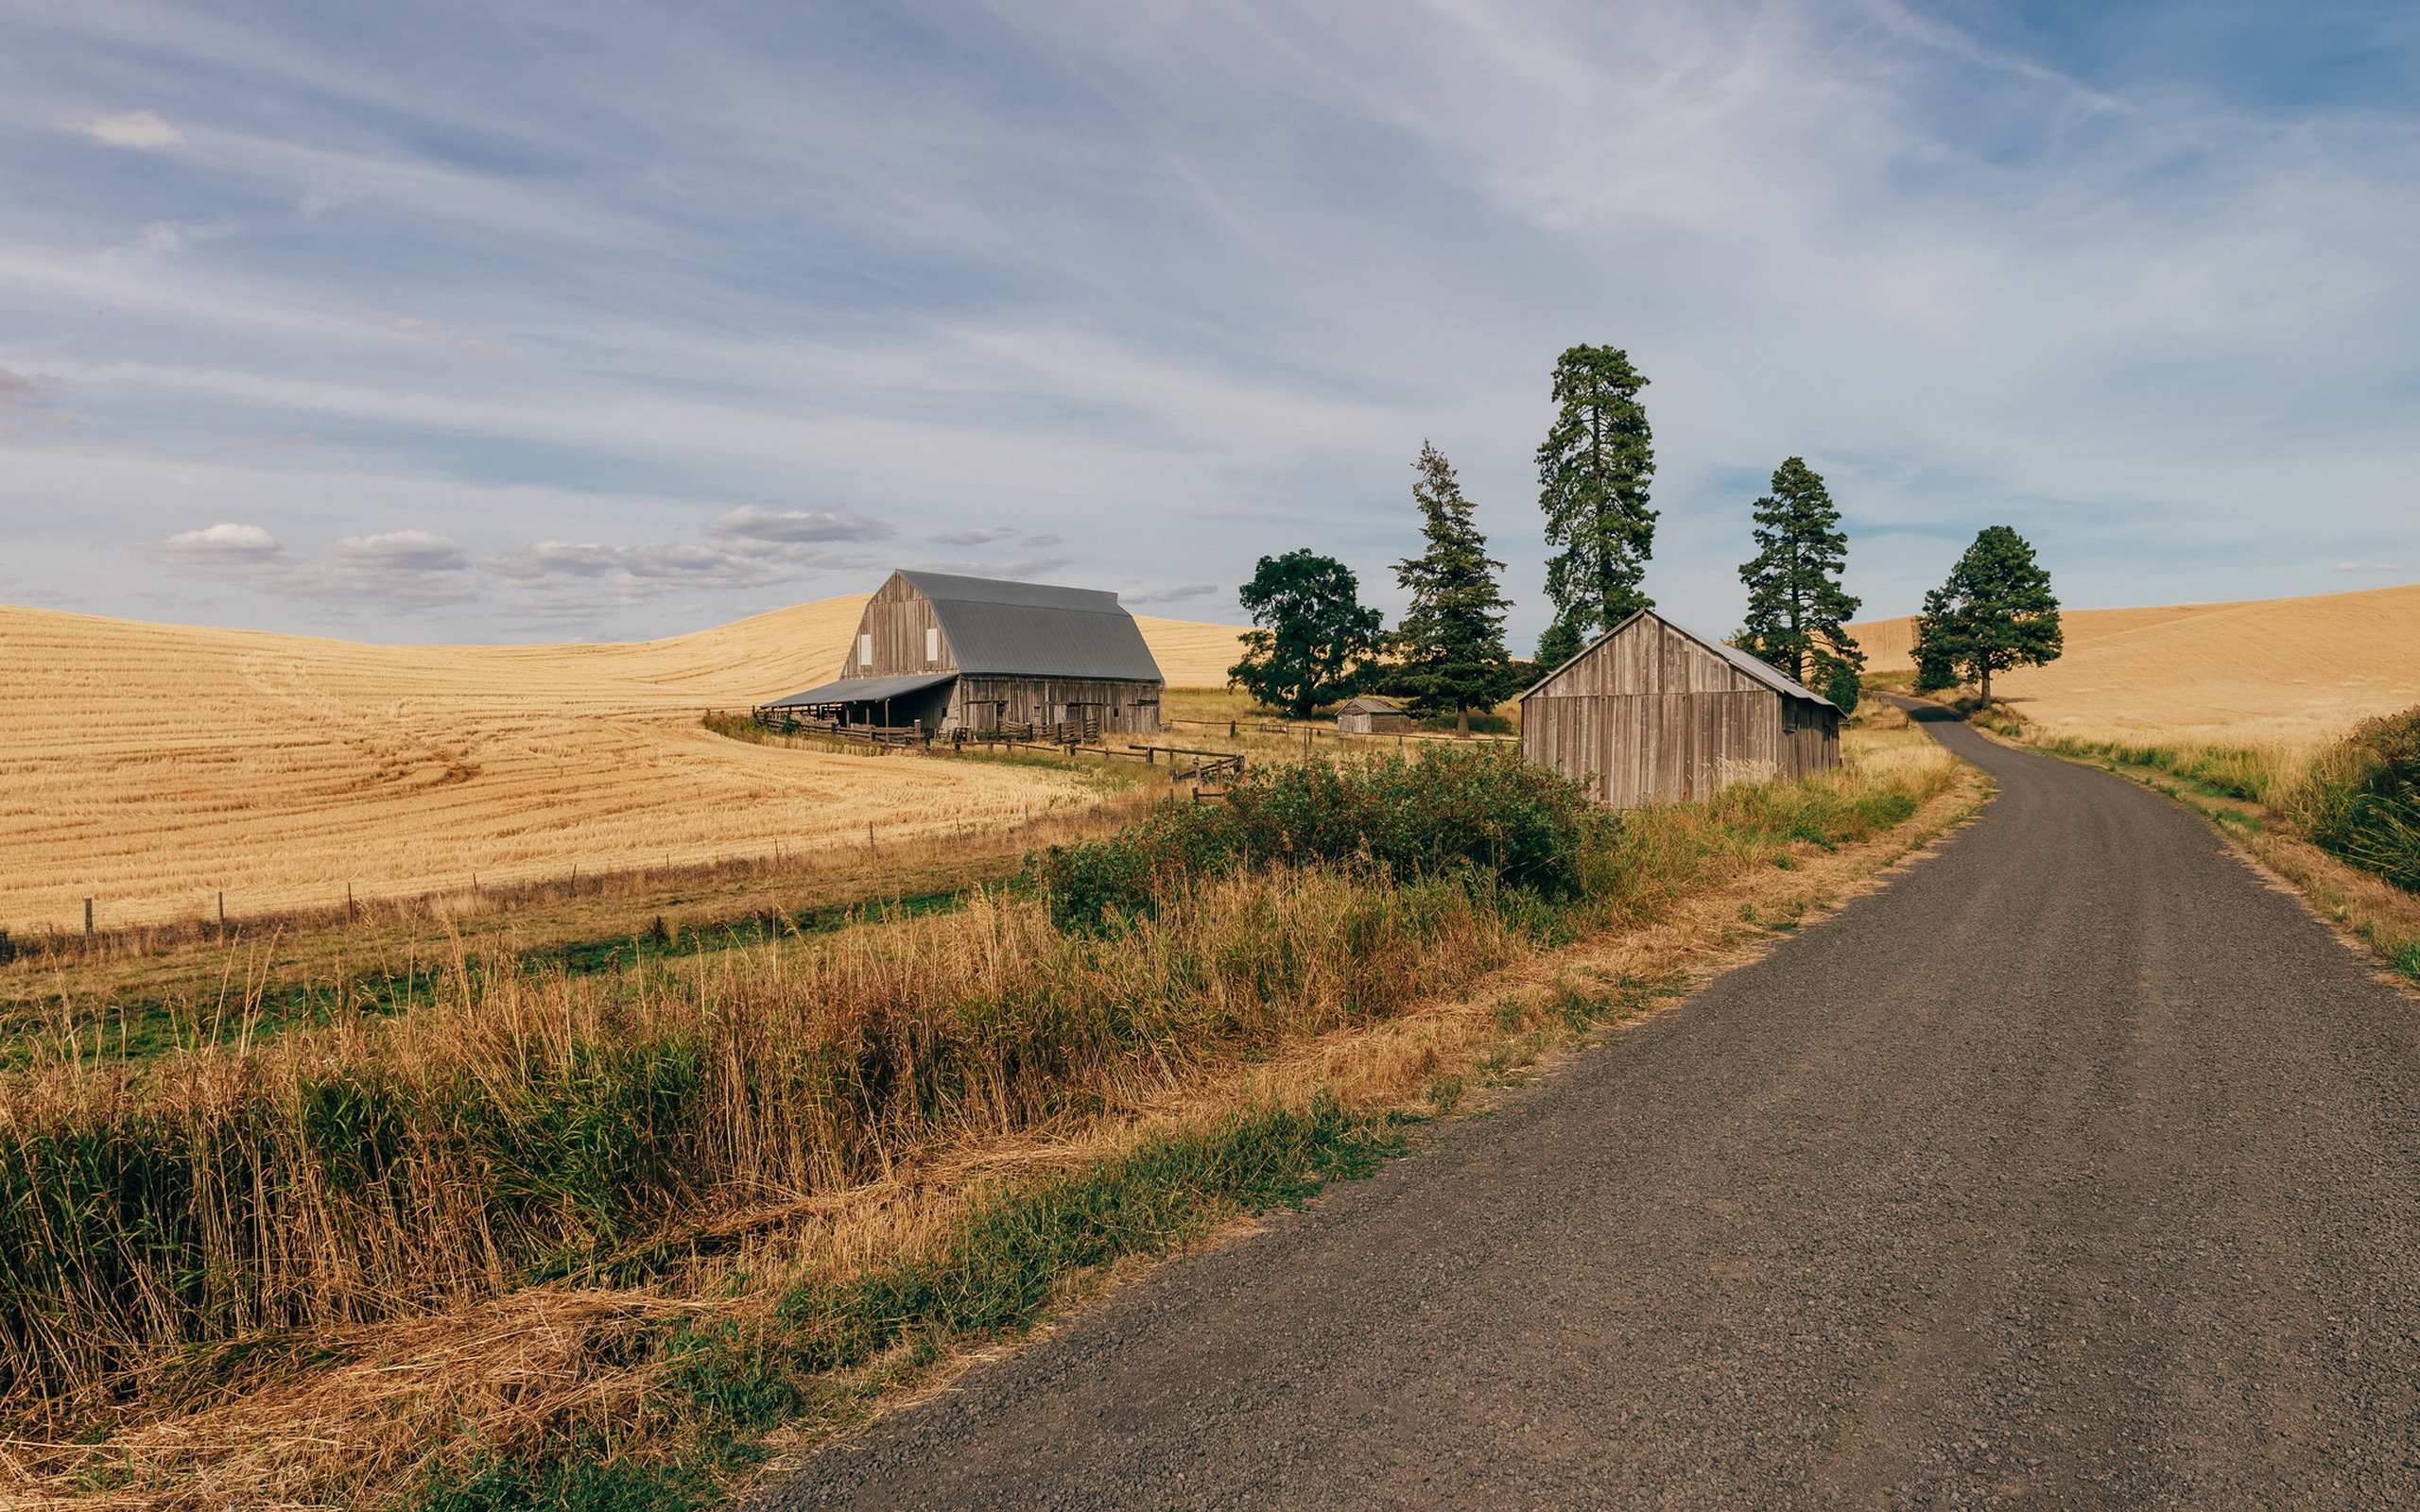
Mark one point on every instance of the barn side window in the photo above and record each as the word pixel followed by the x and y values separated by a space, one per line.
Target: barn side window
pixel 864 651
pixel 932 644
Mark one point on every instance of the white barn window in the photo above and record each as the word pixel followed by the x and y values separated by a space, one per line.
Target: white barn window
pixel 864 651
pixel 932 644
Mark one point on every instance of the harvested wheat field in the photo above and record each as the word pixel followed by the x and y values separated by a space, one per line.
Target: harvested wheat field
pixel 2287 671
pixel 150 766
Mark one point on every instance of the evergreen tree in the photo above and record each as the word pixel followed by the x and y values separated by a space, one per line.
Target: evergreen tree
pixel 1796 607
pixel 1560 644
pixel 1593 472
pixel 1453 640
pixel 1996 611
pixel 1315 636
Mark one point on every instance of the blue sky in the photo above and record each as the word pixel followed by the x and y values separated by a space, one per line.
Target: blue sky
pixel 428 322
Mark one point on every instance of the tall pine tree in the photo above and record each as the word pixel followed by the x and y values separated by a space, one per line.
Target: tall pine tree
pixel 1593 472
pixel 1796 607
pixel 1996 611
pixel 1453 639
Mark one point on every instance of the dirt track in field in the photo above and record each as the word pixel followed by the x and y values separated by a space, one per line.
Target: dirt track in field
pixel 2074 1169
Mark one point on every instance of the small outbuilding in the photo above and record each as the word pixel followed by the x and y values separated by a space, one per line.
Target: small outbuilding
pixel 1372 716
pixel 1653 714
pixel 947 653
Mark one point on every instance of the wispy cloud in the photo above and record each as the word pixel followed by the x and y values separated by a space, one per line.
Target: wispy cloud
pixel 140 129
pixel 1174 596
pixel 398 567
pixel 749 522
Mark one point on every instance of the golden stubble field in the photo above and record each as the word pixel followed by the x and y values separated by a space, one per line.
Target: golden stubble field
pixel 2286 672
pixel 150 766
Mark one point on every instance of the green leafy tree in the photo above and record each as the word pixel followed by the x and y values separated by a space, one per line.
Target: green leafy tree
pixel 1796 607
pixel 1315 637
pixel 1452 643
pixel 1995 613
pixel 1593 472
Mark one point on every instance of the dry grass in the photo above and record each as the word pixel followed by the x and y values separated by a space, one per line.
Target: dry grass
pixel 389 1337
pixel 153 767
pixel 2291 673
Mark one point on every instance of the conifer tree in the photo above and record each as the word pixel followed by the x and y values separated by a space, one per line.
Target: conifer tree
pixel 1996 611
pixel 1560 644
pixel 1796 607
pixel 1453 639
pixel 1593 472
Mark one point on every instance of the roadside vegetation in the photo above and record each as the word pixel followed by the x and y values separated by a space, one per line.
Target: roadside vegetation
pixel 565 1237
pixel 2342 821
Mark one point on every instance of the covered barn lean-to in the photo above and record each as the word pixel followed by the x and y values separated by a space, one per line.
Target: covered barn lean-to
pixel 1651 714
pixel 950 653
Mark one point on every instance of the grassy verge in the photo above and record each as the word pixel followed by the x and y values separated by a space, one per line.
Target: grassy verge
pixel 2342 823
pixel 560 1240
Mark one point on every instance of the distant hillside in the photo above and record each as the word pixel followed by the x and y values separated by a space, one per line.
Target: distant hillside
pixel 149 766
pixel 2264 668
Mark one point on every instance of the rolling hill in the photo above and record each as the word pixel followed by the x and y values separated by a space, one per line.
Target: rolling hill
pixel 2270 669
pixel 150 766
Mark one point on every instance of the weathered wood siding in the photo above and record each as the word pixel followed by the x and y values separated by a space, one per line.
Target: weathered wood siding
pixel 1358 724
pixel 1648 715
pixel 982 703
pixel 897 618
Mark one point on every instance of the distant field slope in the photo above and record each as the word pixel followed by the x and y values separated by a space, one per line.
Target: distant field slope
pixel 2291 669
pixel 151 765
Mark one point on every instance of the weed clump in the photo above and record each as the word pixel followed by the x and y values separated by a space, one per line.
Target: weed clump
pixel 1442 811
pixel 2361 798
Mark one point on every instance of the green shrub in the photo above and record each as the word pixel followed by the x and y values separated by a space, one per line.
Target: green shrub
pixel 2361 799
pixel 1441 810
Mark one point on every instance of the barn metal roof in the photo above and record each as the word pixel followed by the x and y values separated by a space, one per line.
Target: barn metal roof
pixel 863 690
pixel 1762 671
pixel 1030 629
pixel 1369 705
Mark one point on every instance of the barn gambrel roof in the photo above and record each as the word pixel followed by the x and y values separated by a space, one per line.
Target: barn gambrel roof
pixel 997 628
pixel 1764 672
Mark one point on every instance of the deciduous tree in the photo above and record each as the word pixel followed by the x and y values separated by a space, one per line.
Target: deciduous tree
pixel 1995 613
pixel 1796 607
pixel 1452 642
pixel 1593 472
pixel 1315 636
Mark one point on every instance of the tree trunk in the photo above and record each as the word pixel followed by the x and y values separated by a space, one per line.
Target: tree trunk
pixel 1462 724
pixel 1987 684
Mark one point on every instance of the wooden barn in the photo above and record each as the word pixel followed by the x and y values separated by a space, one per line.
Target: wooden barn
pixel 1372 716
pixel 1651 713
pixel 953 653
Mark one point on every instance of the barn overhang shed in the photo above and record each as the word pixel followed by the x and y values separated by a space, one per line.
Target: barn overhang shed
pixel 862 690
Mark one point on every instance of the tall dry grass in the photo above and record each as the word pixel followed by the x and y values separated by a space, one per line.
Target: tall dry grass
pixel 520 1129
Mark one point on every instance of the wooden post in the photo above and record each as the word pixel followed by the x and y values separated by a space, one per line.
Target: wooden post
pixel 88 918
pixel 222 908
pixel 348 901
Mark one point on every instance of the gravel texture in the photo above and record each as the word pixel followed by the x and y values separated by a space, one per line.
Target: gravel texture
pixel 2073 1169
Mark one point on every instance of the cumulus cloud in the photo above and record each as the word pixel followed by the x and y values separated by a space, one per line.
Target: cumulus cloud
pixel 794 527
pixel 399 567
pixel 139 130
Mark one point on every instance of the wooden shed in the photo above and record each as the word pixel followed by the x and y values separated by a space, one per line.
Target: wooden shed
pixel 1372 716
pixel 952 653
pixel 1651 714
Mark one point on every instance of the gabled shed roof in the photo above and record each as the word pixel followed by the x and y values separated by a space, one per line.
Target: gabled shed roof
pixel 1032 629
pixel 863 690
pixel 1764 672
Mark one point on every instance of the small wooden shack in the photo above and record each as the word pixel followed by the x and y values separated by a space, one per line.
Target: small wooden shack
pixel 1651 714
pixel 1372 716
pixel 948 653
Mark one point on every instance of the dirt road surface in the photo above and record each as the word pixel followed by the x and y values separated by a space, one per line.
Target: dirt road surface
pixel 2075 1169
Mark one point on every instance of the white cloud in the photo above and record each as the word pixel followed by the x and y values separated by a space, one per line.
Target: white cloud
pixel 140 129
pixel 219 548
pixel 400 567
pixel 749 522
pixel 971 537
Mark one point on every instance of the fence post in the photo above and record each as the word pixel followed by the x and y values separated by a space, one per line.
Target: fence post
pixel 222 908
pixel 88 918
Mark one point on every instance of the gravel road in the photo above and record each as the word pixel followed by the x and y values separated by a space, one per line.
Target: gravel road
pixel 2073 1169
